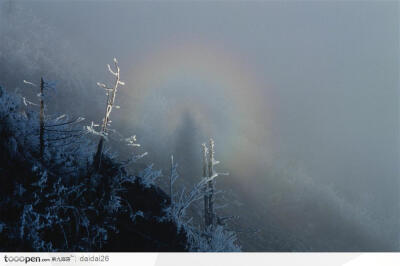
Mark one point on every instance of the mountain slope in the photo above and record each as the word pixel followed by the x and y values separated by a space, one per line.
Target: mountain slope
pixel 58 203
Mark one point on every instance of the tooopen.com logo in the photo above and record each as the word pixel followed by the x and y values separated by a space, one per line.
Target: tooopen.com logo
pixel 21 259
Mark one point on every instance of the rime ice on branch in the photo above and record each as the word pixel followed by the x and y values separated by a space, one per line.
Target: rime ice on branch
pixel 214 236
pixel 111 93
pixel 209 174
pixel 53 131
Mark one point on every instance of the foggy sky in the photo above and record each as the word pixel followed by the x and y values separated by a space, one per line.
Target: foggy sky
pixel 325 98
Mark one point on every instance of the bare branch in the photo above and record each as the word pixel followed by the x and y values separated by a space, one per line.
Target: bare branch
pixel 30 83
pixel 75 120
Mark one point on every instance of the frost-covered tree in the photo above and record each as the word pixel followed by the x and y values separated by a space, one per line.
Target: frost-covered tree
pixel 205 192
pixel 217 239
pixel 111 92
pixel 211 183
pixel 61 205
pixel 209 175
pixel 54 130
pixel 181 201
pixel 214 236
pixel 172 178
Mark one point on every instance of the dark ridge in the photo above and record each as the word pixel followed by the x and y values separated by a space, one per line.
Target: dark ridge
pixel 42 208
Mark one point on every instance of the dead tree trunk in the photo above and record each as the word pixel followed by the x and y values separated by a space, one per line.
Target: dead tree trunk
pixel 205 175
pixel 208 173
pixel 41 120
pixel 111 93
pixel 211 183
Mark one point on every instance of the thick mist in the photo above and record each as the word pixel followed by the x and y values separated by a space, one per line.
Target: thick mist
pixel 300 97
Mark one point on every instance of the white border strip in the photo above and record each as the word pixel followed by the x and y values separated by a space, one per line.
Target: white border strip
pixel 201 259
